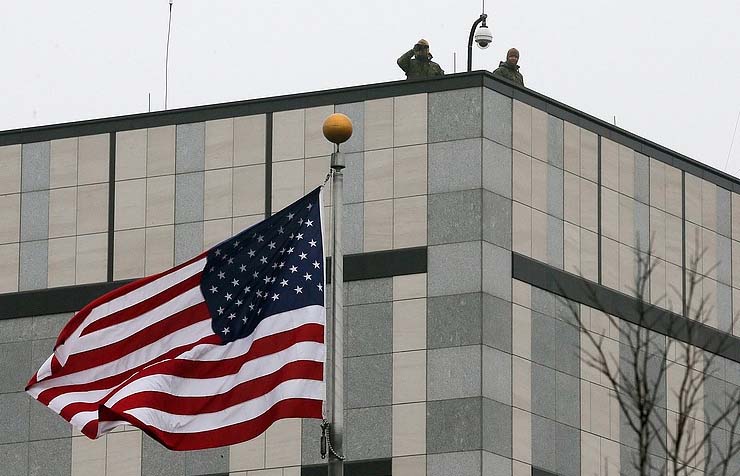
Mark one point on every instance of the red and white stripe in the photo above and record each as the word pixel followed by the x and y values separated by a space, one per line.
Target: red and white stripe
pixel 146 355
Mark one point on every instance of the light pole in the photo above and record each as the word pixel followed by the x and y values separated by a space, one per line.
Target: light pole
pixel 483 38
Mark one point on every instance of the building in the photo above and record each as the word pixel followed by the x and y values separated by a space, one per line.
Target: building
pixel 467 201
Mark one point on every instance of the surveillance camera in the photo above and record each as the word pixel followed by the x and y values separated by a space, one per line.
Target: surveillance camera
pixel 483 37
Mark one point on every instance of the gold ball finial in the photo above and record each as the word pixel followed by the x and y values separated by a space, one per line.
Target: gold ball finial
pixel 337 128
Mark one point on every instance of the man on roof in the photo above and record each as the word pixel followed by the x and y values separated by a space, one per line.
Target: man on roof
pixel 417 62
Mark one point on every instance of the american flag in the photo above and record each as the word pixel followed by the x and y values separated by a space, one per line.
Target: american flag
pixel 209 353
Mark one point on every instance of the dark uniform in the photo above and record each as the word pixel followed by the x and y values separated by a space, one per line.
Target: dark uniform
pixel 509 69
pixel 417 65
pixel 510 72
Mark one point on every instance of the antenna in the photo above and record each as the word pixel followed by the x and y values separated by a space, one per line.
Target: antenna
pixel 150 101
pixel 167 57
pixel 454 62
pixel 732 142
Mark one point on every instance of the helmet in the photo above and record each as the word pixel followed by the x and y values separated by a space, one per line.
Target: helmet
pixel 422 42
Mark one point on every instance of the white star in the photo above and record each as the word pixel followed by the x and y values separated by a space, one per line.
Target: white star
pixel 290 216
pixel 263 260
pixel 218 251
pixel 221 275
pixel 231 260
pixel 212 269
pixel 236 243
pixel 260 238
pixel 271 245
pixel 273 279
pixel 310 205
pixel 214 289
pixel 251 253
pixel 243 268
pixel 226 330
pixel 298 290
pixel 282 251
pixel 309 223
pixel 247 289
pixel 281 230
pixel 303 255
pixel 239 302
pixel 290 250
pixel 235 282
pixel 259 293
pixel 228 297
pixel 282 263
pixel 312 243
pixel 220 310
pixel 293 269
pixel 284 282
pixel 299 236
pixel 300 222
pixel 291 236
pixel 316 264
pixel 267 279
pixel 244 319
pixel 259 311
pixel 274 265
pixel 232 315
pixel 321 288
pixel 251 307
pixel 255 275
pixel 275 297
pixel 307 276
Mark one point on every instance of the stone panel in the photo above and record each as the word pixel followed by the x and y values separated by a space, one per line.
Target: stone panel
pixel 190 147
pixel 454 217
pixel 496 427
pixel 368 433
pixel 454 165
pixel 466 463
pixel 368 329
pixel 368 381
pixel 14 420
pixel 34 265
pixel 454 268
pixel 455 114
pixel 496 219
pixel 453 320
pixel 497 111
pixel 189 191
pixel 453 425
pixel 356 113
pixel 35 166
pixel 35 215
pixel 497 164
pixel 50 457
pixel 454 372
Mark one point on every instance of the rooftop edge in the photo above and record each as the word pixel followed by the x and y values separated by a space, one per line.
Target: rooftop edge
pixel 366 92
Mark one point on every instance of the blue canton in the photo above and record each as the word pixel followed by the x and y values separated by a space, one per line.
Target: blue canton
pixel 272 267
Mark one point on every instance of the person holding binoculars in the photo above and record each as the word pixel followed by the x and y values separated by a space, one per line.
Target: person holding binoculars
pixel 417 62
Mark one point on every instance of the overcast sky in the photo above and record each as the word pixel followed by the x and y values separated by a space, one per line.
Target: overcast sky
pixel 668 70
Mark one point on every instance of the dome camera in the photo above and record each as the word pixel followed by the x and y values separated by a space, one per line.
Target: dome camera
pixel 483 37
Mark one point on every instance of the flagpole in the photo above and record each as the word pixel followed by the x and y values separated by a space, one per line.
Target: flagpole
pixel 337 129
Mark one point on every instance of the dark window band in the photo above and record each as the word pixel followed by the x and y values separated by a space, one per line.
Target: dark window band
pixel 381 264
pixel 380 467
pixel 620 305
